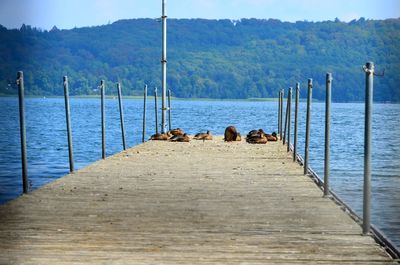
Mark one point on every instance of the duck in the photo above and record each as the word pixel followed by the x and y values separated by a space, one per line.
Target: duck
pixel 253 132
pixel 173 137
pixel 256 137
pixel 238 137
pixel 272 137
pixel 177 131
pixel 180 138
pixel 160 136
pixel 257 140
pixel 203 136
pixel 230 134
pixel 258 132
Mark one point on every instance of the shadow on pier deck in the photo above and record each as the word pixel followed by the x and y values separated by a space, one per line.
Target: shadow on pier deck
pixel 184 203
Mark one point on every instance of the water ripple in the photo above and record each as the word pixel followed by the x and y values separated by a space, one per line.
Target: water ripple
pixel 48 150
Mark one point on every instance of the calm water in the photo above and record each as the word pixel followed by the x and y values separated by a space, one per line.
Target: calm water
pixel 48 153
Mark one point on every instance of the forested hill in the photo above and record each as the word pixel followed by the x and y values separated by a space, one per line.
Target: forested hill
pixel 249 58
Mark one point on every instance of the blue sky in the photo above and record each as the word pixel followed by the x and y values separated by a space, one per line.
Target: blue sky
pixel 70 13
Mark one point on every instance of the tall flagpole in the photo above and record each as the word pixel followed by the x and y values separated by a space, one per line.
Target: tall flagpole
pixel 164 66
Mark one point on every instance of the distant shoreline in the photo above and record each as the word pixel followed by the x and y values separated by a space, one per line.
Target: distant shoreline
pixel 149 96
pixel 192 99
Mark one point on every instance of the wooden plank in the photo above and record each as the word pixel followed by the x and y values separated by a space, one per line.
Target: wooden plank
pixel 184 203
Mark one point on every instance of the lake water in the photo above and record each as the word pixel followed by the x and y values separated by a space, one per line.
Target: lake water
pixel 48 152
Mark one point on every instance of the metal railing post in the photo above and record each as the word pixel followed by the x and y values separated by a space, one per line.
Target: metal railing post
pixel 144 113
pixel 68 118
pixel 103 120
pixel 121 115
pixel 289 117
pixel 308 126
pixel 169 110
pixel 369 82
pixel 296 114
pixel 286 118
pixel 156 109
pixel 281 114
pixel 164 66
pixel 24 160
pixel 327 133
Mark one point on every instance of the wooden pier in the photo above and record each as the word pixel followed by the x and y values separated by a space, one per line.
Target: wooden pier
pixel 185 203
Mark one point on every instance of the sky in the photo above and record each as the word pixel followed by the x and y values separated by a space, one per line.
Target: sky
pixel 67 14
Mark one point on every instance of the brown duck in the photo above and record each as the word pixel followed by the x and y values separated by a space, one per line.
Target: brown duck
pixel 256 133
pixel 176 132
pixel 238 137
pixel 231 134
pixel 160 136
pixel 256 137
pixel 180 138
pixel 203 136
pixel 272 137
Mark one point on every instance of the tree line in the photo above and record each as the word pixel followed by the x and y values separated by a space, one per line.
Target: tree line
pixel 247 58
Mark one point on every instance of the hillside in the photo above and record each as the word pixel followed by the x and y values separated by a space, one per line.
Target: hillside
pixel 206 58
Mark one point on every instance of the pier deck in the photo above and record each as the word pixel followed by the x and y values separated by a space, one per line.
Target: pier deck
pixel 184 203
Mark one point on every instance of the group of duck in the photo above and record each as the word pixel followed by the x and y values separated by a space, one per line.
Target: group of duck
pixel 178 135
pixel 253 137
pixel 260 137
pixel 230 135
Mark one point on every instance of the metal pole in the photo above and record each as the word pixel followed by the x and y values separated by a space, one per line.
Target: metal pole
pixel 327 132
pixel 121 115
pixel 279 112
pixel 20 83
pixel 308 126
pixel 169 110
pixel 369 83
pixel 144 113
pixel 68 117
pixel 286 118
pixel 155 108
pixel 296 114
pixel 164 65
pixel 289 115
pixel 281 115
pixel 103 120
